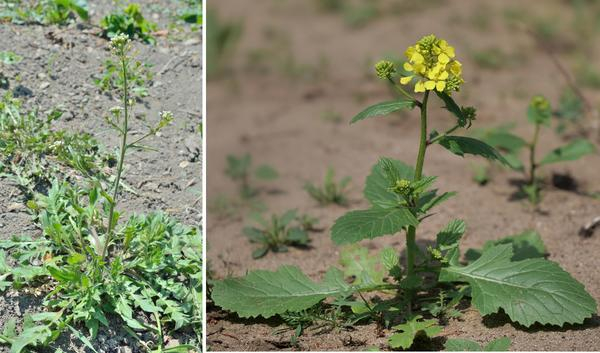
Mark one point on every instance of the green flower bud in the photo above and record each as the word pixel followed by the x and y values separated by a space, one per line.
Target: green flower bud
pixel 385 69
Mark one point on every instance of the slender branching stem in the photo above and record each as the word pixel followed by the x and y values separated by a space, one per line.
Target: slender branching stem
pixel 401 90
pixel 411 245
pixel 123 149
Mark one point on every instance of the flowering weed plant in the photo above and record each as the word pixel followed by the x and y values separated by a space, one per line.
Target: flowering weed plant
pixel 509 275
pixel 143 272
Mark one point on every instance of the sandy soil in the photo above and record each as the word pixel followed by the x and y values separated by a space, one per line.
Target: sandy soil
pixel 279 119
pixel 58 65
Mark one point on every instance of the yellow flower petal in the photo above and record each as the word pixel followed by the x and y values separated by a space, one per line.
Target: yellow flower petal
pixel 417 58
pixel 440 85
pixel 429 85
pixel 408 67
pixel 409 52
pixel 443 58
pixel 420 87
pixel 443 75
pixel 405 80
pixel 456 68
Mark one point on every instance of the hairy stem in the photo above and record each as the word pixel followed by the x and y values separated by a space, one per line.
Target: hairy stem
pixel 411 245
pixel 111 213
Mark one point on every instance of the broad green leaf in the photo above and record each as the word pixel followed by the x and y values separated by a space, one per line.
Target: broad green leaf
pixel 409 330
pixel 526 245
pixel 529 291
pixel 355 226
pixel 569 152
pixel 31 336
pixel 377 184
pixel 267 293
pixel 464 345
pixel 452 107
pixel 365 268
pixel 505 141
pixel 383 109
pixel 266 172
pixel 461 145
pixel 498 345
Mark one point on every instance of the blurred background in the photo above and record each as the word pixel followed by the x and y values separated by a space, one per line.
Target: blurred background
pixel 286 76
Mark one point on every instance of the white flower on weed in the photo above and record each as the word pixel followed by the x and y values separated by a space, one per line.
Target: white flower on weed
pixel 120 44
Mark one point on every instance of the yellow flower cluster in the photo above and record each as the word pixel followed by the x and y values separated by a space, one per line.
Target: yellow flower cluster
pixel 431 61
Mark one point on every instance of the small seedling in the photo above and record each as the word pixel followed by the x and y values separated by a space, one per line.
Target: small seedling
pixel 7 58
pixel 221 40
pixel 239 169
pixel 534 290
pixel 131 22
pixel 539 114
pixel 331 191
pixel 276 234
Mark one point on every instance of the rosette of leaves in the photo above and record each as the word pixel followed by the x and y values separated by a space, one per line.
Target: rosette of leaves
pixel 151 282
pixel 510 275
pixel 277 233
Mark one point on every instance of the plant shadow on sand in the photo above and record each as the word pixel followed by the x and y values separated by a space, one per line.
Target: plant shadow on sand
pixel 500 319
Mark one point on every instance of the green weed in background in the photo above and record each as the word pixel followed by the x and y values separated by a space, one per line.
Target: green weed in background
pixel 45 12
pixel 539 113
pixel 277 233
pixel 129 21
pixel 221 40
pixel 241 171
pixel 32 153
pixel 331 191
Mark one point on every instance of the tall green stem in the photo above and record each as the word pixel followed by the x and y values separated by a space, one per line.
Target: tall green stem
pixel 111 213
pixel 532 162
pixel 411 245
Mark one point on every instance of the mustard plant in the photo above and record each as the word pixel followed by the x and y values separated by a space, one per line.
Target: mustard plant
pixel 429 283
